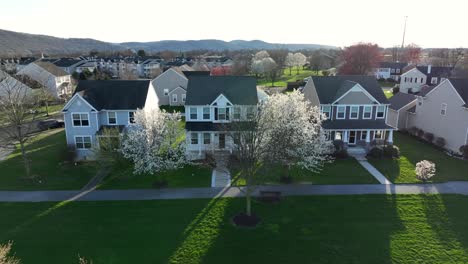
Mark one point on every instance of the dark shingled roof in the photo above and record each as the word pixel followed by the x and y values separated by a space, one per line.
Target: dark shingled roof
pixel 67 62
pixel 114 94
pixel 330 88
pixel 399 100
pixel 54 70
pixel 393 65
pixel 196 73
pixel 355 124
pixel 239 90
pixel 461 85
pixel 425 90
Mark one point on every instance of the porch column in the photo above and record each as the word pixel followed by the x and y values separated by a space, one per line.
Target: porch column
pixel 390 137
pixel 199 135
pixel 345 136
pixel 212 137
pixel 368 136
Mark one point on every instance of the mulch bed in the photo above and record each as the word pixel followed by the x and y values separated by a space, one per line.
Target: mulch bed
pixel 244 220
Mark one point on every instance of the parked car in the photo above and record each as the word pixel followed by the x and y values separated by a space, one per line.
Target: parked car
pixel 49 124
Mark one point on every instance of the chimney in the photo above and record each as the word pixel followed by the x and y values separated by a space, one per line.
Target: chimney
pixel 429 69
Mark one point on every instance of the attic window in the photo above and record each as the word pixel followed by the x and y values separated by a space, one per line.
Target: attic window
pixel 434 80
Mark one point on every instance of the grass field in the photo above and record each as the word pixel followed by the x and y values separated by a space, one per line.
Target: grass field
pixel 347 171
pixel 46 152
pixel 316 229
pixel 190 176
pixel 412 151
pixel 285 78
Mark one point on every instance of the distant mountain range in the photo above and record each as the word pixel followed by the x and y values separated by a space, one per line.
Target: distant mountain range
pixel 16 43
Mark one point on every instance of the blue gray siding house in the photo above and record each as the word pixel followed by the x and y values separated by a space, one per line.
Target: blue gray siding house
pixel 96 105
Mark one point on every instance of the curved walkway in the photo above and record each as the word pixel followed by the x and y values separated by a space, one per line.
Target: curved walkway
pixel 193 193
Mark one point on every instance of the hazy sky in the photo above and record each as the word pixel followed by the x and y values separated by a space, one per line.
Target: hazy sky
pixel 333 22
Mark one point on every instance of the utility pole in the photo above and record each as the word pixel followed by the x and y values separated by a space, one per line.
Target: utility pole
pixel 403 41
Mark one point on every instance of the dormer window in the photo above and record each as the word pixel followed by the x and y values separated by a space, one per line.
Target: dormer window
pixel 434 80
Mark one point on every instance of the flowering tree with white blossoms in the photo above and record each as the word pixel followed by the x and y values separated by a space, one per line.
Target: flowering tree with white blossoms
pixel 285 129
pixel 155 143
pixel 425 170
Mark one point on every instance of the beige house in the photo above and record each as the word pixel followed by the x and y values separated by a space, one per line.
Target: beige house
pixel 414 79
pixel 443 111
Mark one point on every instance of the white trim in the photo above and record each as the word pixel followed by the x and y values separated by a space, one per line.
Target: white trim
pixel 466 139
pixel 83 136
pixel 214 101
pixel 344 116
pixel 108 118
pixel 364 111
pixel 362 90
pixel 176 98
pixel 377 111
pixel 351 111
pixel 170 69
pixel 64 109
pixel 80 113
pixel 365 130
pixel 355 137
pixel 178 87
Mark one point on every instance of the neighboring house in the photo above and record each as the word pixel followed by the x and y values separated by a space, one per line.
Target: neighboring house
pixel 389 70
pixel 443 111
pixel 68 64
pixel 354 108
pixel 147 67
pixel 171 87
pixel 414 79
pixel 87 66
pixel 213 104
pixel 56 80
pixel 23 62
pixel 400 103
pixel 97 105
pixel 9 86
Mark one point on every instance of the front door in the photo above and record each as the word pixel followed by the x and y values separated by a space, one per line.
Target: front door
pixel 222 141
pixel 352 137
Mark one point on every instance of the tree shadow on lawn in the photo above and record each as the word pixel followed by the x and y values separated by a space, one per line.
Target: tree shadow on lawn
pixel 47 154
pixel 314 229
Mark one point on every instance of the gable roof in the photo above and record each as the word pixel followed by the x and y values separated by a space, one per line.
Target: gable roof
pixel 114 94
pixel 193 73
pixel 67 62
pixel 400 100
pixel 436 71
pixel 239 90
pixel 461 85
pixel 425 90
pixel 329 88
pixel 51 68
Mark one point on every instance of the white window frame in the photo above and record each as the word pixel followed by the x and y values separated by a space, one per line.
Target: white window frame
pixel 184 97
pixel 209 113
pixel 326 114
pixel 174 98
pixel 377 112
pixel 432 80
pixel 225 114
pixel 338 111
pixel 108 118
pixel 204 138
pixel 193 136
pixel 130 118
pixel 81 120
pixel 166 92
pixel 190 113
pixel 364 112
pixel 443 109
pixel 338 133
pixel 83 137
pixel 351 112
pixel 363 137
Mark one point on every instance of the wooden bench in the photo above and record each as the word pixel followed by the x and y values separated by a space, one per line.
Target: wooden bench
pixel 270 196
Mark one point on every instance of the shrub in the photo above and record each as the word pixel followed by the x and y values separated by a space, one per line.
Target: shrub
pixel 413 131
pixel 440 142
pixel 376 153
pixel 464 151
pixel 325 73
pixel 429 137
pixel 339 145
pixel 381 79
pixel 420 133
pixel 341 154
pixel 425 170
pixel 390 80
pixel 391 151
pixel 395 90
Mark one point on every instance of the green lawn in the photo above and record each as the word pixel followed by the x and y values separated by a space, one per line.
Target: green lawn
pixel 387 84
pixel 46 152
pixel 347 171
pixel 412 151
pixel 388 93
pixel 315 229
pixel 122 177
pixel 285 78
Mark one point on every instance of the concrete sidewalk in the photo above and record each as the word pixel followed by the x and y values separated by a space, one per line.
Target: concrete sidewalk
pixel 193 193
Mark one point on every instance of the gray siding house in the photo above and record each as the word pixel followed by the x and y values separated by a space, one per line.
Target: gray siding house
pixel 355 109
pixel 97 105
pixel 213 104
pixel 400 106
pixel 171 87
pixel 443 111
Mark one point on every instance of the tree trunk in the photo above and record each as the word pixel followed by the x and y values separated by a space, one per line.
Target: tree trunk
pixel 297 70
pixel 248 210
pixel 290 71
pixel 23 152
pixel 47 107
